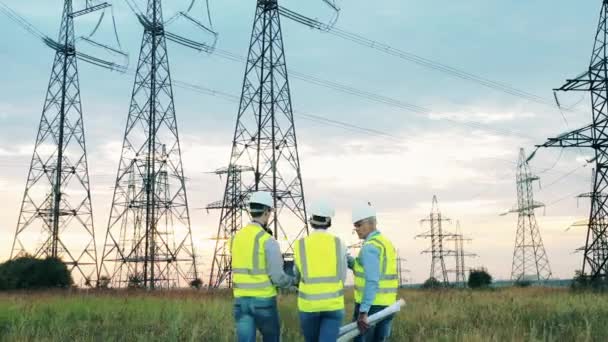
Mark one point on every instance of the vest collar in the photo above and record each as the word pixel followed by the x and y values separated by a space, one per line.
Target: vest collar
pixel 371 235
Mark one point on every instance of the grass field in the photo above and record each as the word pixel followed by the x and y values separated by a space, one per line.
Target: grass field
pixel 527 314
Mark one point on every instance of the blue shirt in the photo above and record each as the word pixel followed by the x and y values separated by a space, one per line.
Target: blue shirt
pixel 369 258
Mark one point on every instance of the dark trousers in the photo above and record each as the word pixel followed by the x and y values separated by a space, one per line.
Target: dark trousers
pixel 380 332
pixel 251 314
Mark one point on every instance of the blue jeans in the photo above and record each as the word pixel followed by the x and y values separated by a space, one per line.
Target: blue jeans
pixel 321 326
pixel 252 313
pixel 379 333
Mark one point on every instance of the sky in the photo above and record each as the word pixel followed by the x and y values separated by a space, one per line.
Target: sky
pixel 530 45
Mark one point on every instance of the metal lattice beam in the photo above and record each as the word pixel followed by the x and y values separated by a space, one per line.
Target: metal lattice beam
pixel 149 239
pixel 595 136
pixel 56 216
pixel 438 237
pixel 265 136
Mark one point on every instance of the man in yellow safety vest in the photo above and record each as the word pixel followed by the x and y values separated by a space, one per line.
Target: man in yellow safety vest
pixel 320 267
pixel 257 271
pixel 376 280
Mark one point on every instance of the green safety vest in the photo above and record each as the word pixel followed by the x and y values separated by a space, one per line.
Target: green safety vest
pixel 249 274
pixel 318 259
pixel 387 289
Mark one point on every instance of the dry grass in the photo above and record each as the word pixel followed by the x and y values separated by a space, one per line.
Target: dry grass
pixel 530 314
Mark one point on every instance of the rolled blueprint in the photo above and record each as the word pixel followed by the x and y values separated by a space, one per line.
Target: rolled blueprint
pixel 351 330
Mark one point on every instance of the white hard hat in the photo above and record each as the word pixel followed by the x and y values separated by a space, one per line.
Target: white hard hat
pixel 322 209
pixel 362 212
pixel 263 198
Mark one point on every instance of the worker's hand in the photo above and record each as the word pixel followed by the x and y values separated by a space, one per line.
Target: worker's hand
pixel 362 322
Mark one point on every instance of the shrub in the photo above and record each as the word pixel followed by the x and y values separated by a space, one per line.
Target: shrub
pixel 585 282
pixel 432 283
pixel 103 282
pixel 523 283
pixel 479 278
pixel 31 273
pixel 196 283
pixel 135 281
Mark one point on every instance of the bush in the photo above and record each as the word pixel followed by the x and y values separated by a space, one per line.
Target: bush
pixel 31 273
pixel 103 282
pixel 196 283
pixel 523 283
pixel 479 278
pixel 585 282
pixel 136 281
pixel 432 283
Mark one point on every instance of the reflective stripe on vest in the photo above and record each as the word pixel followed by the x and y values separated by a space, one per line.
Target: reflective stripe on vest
pixel 388 284
pixel 250 277
pixel 321 288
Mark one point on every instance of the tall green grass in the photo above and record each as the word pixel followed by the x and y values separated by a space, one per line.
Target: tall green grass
pixel 530 314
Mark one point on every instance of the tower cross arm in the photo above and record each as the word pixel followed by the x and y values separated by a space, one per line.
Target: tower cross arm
pixel 583 82
pixel 89 9
pixel 581 137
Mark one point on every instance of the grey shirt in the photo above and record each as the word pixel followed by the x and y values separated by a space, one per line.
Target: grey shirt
pixel 274 263
pixel 342 262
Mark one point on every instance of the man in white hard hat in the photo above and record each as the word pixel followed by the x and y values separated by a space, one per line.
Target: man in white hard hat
pixel 257 270
pixel 320 268
pixel 375 271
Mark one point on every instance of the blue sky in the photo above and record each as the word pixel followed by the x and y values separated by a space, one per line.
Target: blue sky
pixel 531 45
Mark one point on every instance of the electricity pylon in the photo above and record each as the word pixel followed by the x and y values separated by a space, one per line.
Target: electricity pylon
pixel 56 216
pixel 231 220
pixel 150 206
pixel 438 236
pixel 595 81
pixel 460 255
pixel 265 135
pixel 530 260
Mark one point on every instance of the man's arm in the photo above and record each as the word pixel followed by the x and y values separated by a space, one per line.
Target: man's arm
pixel 296 275
pixel 370 259
pixel 274 261
pixel 343 262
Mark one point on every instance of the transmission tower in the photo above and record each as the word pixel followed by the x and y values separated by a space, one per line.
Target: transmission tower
pixel 438 251
pixel 595 81
pixel 265 134
pixel 530 260
pixel 56 216
pixel 401 271
pixel 459 254
pixel 149 239
pixel 231 220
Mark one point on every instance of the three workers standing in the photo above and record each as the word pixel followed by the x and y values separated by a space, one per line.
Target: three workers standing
pixel 321 263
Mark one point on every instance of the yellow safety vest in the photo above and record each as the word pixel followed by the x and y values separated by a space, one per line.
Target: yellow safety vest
pixel 387 289
pixel 249 275
pixel 318 260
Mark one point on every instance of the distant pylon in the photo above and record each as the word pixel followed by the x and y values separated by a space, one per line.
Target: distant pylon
pixel 593 80
pixel 401 271
pixel 56 216
pixel 265 135
pixel 530 260
pixel 150 206
pixel 438 251
pixel 231 220
pixel 460 270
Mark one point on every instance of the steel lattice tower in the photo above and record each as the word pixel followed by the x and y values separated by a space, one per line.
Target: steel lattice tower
pixel 595 81
pixel 149 238
pixel 265 134
pixel 529 257
pixel 56 217
pixel 438 251
pixel 460 255
pixel 231 220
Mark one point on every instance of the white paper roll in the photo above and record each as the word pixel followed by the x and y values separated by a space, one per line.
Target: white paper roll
pixel 351 330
